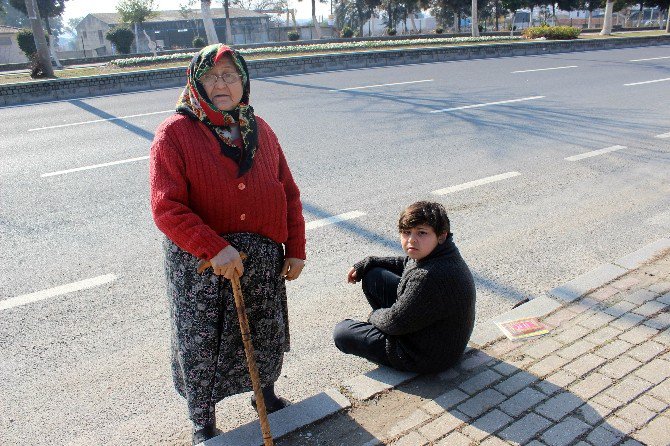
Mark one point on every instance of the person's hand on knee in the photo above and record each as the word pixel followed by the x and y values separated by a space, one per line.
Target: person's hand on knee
pixel 352 277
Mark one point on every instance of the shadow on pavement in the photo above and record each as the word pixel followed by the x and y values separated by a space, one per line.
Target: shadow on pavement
pixel 493 399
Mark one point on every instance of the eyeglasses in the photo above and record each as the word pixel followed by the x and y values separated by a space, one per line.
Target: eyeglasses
pixel 210 79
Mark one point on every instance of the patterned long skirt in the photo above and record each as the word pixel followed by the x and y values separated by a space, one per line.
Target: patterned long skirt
pixel 208 359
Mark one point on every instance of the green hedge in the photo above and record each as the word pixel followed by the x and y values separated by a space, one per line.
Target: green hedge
pixel 552 32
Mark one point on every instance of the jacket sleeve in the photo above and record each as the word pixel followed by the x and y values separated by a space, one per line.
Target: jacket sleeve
pixel 295 222
pixel 419 306
pixel 170 203
pixel 393 264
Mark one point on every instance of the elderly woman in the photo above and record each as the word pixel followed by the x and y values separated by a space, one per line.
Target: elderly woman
pixel 220 185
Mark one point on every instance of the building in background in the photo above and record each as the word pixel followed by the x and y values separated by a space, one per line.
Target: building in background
pixel 9 47
pixel 171 30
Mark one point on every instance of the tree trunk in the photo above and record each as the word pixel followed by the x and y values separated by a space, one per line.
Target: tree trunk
pixel 667 21
pixel 607 24
pixel 639 15
pixel 475 20
pixel 317 26
pixel 411 20
pixel 530 16
pixel 511 26
pixel 52 44
pixel 137 40
pixel 497 12
pixel 588 25
pixel 229 28
pixel 40 41
pixel 210 31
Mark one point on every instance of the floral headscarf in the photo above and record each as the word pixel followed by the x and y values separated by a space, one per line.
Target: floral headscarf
pixel 194 102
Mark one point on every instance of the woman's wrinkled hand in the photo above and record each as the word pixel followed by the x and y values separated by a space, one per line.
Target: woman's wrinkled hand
pixel 292 268
pixel 227 263
pixel 352 277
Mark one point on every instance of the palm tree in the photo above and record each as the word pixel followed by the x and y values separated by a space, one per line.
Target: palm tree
pixel 208 22
pixel 317 26
pixel 607 24
pixel 43 59
pixel 229 29
pixel 475 20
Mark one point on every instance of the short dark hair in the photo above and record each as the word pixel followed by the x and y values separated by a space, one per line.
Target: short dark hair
pixel 425 213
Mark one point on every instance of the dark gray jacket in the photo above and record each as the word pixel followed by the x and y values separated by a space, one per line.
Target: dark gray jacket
pixel 430 324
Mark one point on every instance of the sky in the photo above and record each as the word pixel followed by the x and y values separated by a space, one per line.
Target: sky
pixel 80 8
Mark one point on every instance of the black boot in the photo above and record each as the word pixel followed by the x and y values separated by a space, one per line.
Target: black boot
pixel 273 403
pixel 204 433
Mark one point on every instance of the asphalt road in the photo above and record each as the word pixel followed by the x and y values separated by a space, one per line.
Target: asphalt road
pixel 92 366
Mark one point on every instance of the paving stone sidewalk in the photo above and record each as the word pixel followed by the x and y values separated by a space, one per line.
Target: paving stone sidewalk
pixel 600 377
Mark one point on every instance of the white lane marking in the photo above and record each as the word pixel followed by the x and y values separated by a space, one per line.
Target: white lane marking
pixel 663 135
pixel 56 291
pixel 487 104
pixel 647 82
pixel 334 219
pixel 651 58
pixel 480 182
pixel 544 69
pixel 594 153
pixel 95 166
pixel 98 120
pixel 382 85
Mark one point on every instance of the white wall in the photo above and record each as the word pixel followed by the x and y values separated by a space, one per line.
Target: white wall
pixel 9 49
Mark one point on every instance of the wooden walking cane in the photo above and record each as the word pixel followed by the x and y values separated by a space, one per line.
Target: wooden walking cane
pixel 248 350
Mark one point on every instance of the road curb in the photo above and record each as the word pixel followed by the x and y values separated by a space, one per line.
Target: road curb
pixel 383 379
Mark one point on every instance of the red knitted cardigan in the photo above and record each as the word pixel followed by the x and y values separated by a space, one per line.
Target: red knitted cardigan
pixel 196 195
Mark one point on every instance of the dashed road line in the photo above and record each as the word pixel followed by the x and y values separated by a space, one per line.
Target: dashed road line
pixel 99 120
pixel 647 82
pixel 487 104
pixel 594 153
pixel 382 85
pixel 651 58
pixel 480 182
pixel 26 299
pixel 545 69
pixel 663 135
pixel 332 220
pixel 94 166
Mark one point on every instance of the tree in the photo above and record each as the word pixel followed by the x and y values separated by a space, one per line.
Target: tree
pixel 210 31
pixel 229 29
pixel 607 23
pixel 122 38
pixel 47 9
pixel 474 20
pixel 136 12
pixel 42 63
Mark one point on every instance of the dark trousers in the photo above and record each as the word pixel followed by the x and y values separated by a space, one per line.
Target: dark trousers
pixel 363 339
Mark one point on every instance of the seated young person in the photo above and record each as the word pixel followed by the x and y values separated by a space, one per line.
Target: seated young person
pixel 423 305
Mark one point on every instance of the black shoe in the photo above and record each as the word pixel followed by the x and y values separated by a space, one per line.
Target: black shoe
pixel 271 404
pixel 207 432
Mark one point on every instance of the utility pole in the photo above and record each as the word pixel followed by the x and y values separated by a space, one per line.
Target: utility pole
pixel 43 59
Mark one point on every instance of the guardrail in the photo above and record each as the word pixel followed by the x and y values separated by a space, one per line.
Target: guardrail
pixel 63 89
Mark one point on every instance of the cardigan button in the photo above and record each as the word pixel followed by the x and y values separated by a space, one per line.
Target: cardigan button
pixel 241 186
pixel 243 217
